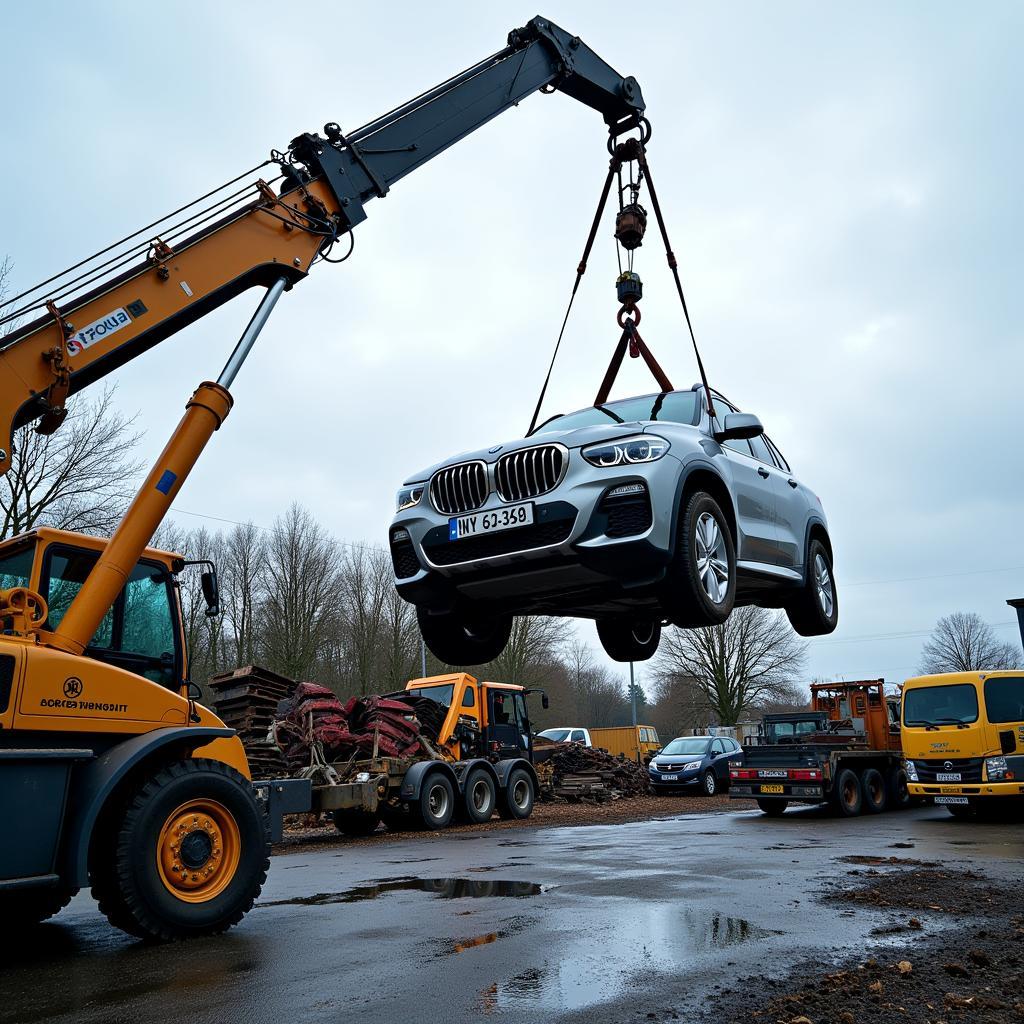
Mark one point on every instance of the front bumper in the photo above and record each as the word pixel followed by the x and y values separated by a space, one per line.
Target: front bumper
pixel 684 780
pixel 584 545
pixel 979 789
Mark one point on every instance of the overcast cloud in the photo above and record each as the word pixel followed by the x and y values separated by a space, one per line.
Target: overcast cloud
pixel 843 189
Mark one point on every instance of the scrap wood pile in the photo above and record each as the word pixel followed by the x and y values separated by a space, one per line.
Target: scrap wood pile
pixel 246 699
pixel 575 772
pixel 396 725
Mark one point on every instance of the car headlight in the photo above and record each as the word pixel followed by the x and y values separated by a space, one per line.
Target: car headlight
pixel 997 769
pixel 691 766
pixel 409 496
pixel 629 451
pixel 911 769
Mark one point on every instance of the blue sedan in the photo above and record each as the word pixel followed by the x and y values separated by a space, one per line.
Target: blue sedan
pixel 692 762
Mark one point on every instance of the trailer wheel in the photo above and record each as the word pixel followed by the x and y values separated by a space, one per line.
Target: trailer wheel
pixel 899 793
pixel 437 801
pixel 873 791
pixel 479 796
pixel 186 856
pixel 517 800
pixel 773 808
pixel 355 823
pixel 847 796
pixel 23 908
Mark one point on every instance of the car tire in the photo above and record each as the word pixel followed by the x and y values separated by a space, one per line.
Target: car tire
pixel 773 808
pixel 848 797
pixel 479 796
pixel 874 791
pixel 629 640
pixel 709 784
pixel 814 608
pixel 687 596
pixel 457 639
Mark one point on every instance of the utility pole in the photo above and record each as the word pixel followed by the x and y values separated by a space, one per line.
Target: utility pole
pixel 632 691
pixel 423 656
pixel 1018 603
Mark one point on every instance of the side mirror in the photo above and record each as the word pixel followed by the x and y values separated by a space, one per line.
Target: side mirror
pixel 211 592
pixel 544 702
pixel 739 426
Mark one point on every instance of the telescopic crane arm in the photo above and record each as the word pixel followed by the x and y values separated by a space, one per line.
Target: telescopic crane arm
pixel 107 310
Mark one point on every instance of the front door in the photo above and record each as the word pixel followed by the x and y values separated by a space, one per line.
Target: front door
pixel 506 718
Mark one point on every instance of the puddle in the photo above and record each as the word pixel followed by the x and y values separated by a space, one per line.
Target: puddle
pixel 442 888
pixel 597 966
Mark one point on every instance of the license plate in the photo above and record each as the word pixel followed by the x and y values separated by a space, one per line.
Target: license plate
pixel 951 800
pixel 772 789
pixel 947 776
pixel 670 778
pixel 770 773
pixel 492 521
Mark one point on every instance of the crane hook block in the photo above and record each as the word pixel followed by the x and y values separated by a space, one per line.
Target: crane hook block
pixel 630 225
pixel 629 288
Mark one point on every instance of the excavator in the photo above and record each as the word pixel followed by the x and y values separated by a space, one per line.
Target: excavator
pixel 112 774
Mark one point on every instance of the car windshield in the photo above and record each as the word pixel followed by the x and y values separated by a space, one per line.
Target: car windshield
pixel 691 745
pixel 940 705
pixel 442 694
pixel 670 407
pixel 558 735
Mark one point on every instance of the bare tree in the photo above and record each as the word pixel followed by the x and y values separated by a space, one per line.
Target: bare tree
pixel 753 657
pixel 240 574
pixel 964 642
pixel 532 647
pixel 598 695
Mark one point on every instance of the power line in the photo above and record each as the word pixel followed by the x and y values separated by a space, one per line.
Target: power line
pixel 907 634
pixel 938 576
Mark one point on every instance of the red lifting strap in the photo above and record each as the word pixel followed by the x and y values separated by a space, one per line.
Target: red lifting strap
pixel 637 347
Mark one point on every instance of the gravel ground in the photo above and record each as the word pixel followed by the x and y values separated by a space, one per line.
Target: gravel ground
pixel 940 966
pixel 300 833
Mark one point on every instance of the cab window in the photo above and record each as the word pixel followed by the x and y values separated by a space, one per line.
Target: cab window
pixel 138 633
pixel 1004 699
pixel 16 568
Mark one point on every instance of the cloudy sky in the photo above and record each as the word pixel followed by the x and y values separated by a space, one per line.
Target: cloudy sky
pixel 842 184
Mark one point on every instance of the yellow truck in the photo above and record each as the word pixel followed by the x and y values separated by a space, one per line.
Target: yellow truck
pixel 637 742
pixel 963 738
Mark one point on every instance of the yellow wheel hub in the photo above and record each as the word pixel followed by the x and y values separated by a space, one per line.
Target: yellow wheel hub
pixel 198 850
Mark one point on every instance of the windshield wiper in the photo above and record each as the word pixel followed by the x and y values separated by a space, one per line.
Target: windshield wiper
pixel 936 722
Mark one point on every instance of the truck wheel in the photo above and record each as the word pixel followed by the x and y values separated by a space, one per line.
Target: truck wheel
pixel 628 640
pixel 710 784
pixel 479 796
pixel 186 856
pixel 517 800
pixel 437 801
pixel 773 808
pixel 458 639
pixel 899 794
pixel 814 608
pixel 874 792
pixel 355 823
pixel 847 796
pixel 23 908
pixel 700 588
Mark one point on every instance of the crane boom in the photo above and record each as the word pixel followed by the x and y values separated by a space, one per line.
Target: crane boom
pixel 110 309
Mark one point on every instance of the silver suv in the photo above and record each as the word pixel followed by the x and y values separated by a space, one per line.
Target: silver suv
pixel 636 513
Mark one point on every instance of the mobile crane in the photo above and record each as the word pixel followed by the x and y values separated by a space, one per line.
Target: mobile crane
pixel 111 773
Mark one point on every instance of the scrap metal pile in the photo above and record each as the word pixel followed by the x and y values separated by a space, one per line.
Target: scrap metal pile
pixel 246 700
pixel 575 772
pixel 396 725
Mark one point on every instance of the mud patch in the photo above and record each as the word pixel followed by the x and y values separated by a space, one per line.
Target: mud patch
pixel 441 888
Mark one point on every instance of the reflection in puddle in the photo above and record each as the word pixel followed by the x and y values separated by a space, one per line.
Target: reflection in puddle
pixel 606 961
pixel 443 888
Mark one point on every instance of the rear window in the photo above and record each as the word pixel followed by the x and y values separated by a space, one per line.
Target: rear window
pixel 940 705
pixel 1004 699
pixel 440 694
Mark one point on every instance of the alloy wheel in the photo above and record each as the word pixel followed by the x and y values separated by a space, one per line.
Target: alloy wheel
pixel 823 585
pixel 712 558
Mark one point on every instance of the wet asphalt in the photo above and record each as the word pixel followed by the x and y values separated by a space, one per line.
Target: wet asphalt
pixel 609 923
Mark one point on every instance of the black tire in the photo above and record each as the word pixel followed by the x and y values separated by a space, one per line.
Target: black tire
pixel 397 819
pixel 629 640
pixel 356 823
pixel 436 804
pixel 25 908
pixel 135 886
pixel 773 808
pixel 479 796
pixel 899 793
pixel 458 639
pixel 813 611
pixel 685 600
pixel 709 784
pixel 874 791
pixel 518 795
pixel 847 797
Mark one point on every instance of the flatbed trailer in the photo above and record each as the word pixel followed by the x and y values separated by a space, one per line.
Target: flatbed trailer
pixel 844 751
